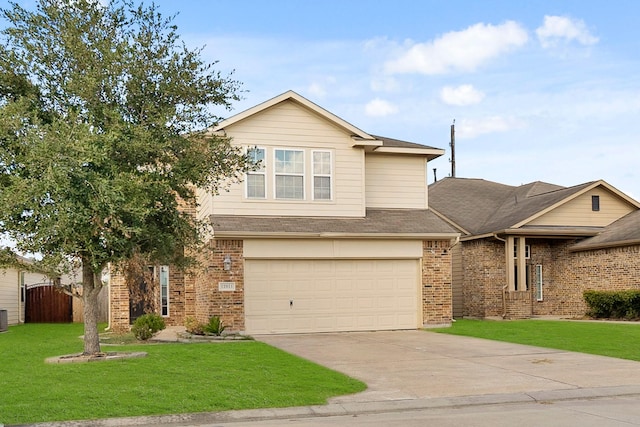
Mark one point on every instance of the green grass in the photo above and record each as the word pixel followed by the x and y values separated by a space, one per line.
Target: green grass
pixel 619 340
pixel 173 378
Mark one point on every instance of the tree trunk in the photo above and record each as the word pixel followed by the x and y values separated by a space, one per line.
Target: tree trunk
pixel 90 290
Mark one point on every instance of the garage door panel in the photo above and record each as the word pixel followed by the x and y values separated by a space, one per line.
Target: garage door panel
pixel 330 295
pixel 345 303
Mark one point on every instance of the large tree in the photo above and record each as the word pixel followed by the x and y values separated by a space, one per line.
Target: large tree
pixel 103 119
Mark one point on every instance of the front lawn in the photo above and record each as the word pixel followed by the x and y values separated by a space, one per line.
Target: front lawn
pixel 617 339
pixel 173 378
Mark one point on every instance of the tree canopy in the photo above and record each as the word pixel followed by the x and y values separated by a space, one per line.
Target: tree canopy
pixel 103 134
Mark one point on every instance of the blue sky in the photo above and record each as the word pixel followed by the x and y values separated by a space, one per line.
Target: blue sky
pixel 539 90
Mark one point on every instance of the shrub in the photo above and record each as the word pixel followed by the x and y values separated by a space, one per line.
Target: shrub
pixel 613 304
pixel 215 326
pixel 193 326
pixel 146 325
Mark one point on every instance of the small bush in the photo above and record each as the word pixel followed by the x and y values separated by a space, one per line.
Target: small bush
pixel 146 325
pixel 613 304
pixel 193 326
pixel 215 326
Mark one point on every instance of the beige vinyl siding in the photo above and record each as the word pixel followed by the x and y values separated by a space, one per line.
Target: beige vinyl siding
pixel 577 212
pixel 291 126
pixel 205 204
pixel 395 181
pixel 331 249
pixel 10 294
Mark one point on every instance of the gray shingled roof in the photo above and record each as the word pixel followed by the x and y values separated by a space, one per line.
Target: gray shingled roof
pixel 480 206
pixel 625 231
pixel 377 222
pixel 391 142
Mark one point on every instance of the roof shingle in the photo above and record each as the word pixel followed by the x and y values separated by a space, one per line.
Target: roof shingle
pixel 377 222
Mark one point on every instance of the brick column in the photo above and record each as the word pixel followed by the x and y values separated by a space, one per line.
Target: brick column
pixel 210 299
pixel 118 301
pixel 436 283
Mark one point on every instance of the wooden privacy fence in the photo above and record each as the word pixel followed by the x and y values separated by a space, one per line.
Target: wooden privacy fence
pixel 46 304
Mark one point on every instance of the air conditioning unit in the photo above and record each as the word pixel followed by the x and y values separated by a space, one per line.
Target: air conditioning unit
pixel 4 321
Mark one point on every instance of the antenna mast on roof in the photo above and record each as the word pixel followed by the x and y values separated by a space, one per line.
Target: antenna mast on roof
pixel 453 149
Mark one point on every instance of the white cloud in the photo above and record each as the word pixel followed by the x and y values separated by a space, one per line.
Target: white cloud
pixel 461 95
pixel 471 128
pixel 558 29
pixel 460 50
pixel 380 108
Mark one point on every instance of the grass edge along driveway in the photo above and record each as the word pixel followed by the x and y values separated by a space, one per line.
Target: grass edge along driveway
pixel 173 378
pixel 613 339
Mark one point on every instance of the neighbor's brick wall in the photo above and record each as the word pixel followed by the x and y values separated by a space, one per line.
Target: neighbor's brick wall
pixel 209 301
pixel 436 282
pixel 566 275
pixel 484 270
pixel 518 304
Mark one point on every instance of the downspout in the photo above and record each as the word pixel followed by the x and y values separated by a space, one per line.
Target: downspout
pixel 504 287
pixel 455 243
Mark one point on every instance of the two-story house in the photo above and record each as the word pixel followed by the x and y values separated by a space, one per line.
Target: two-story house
pixel 331 233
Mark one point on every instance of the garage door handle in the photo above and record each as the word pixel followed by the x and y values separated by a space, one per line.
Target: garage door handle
pixel 290 303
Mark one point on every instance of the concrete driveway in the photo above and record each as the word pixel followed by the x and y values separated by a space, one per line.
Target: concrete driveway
pixel 401 365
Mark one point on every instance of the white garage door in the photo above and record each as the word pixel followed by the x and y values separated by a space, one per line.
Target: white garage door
pixel 294 296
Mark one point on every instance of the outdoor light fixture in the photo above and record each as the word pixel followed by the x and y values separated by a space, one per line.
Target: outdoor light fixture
pixel 227 262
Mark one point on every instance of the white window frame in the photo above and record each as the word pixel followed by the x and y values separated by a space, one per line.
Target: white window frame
pixel 262 171
pixel 539 283
pixel 276 174
pixel 163 282
pixel 315 175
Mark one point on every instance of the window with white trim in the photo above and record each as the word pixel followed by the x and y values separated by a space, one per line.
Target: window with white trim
pixel 539 282
pixel 321 175
pixel 256 185
pixel 164 290
pixel 527 250
pixel 289 174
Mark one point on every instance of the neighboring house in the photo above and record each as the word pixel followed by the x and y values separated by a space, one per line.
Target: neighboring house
pixel 14 283
pixel 331 233
pixel 534 249
pixel 30 296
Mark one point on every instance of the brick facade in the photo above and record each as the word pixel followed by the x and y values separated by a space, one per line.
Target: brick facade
pixel 120 320
pixel 198 295
pixel 119 302
pixel 566 275
pixel 484 273
pixel 436 283
pixel 209 299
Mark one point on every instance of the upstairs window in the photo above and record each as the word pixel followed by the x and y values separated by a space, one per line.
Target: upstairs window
pixel 289 174
pixel 321 175
pixel 595 203
pixel 256 180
